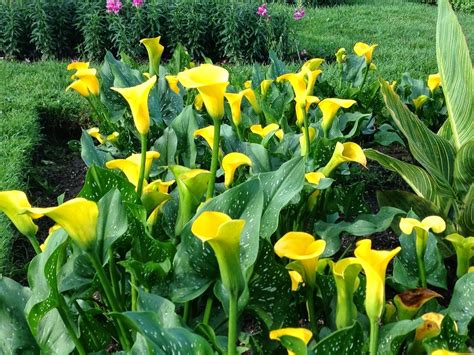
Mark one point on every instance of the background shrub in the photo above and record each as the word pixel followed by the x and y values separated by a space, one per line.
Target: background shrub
pixel 213 28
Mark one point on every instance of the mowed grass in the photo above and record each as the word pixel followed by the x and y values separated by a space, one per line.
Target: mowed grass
pixel 405 33
pixel 27 91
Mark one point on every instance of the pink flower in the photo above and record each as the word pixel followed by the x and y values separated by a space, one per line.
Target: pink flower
pixel 262 10
pixel 113 6
pixel 298 14
pixel 137 3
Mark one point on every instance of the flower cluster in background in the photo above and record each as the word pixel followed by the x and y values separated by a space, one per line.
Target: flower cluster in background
pixel 262 10
pixel 113 6
pixel 298 14
pixel 137 3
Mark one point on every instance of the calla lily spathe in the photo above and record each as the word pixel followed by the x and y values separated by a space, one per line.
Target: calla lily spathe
pixel 51 231
pixel 95 133
pixel 312 134
pixel 78 217
pixel 302 107
pixel 296 279
pixel 434 81
pixel 249 94
pixel 13 203
pixel 265 85
pixel 131 166
pixel 302 334
pixel 344 152
pixel 314 178
pixel 329 108
pixel 231 162
pixel 431 326
pixel 207 133
pixel 149 157
pixel 305 249
pixel 374 263
pixel 78 66
pixel 363 49
pixel 86 83
pixel 235 101
pixel 346 272
pixel 173 81
pixel 223 235
pixel 464 248
pixel 264 131
pixel 137 98
pixel 211 82
pixel 155 51
pixel 419 101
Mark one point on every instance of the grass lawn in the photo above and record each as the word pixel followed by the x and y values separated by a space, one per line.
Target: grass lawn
pixel 405 33
pixel 30 93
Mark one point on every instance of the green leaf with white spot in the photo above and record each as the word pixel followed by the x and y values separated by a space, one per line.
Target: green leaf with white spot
pixel 393 335
pixel 447 339
pixel 348 340
pixel 461 307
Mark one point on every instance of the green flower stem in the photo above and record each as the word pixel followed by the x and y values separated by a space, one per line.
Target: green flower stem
pixel 311 310
pixel 87 323
pixel 215 159
pixel 421 269
pixel 239 133
pixel 374 335
pixel 365 76
pixel 110 297
pixel 141 177
pixel 207 310
pixel 232 325
pixel 420 245
pixel 113 274
pixel 133 292
pixel 186 312
pixel 463 261
pixel 306 132
pixel 34 243
pixel 68 322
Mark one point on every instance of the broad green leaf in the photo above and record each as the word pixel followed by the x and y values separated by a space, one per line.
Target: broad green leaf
pixel 348 340
pixel 419 180
pixel 466 219
pixel 447 339
pixel 464 168
pixel 15 335
pixel 386 135
pixel 162 340
pixel 163 308
pixel 455 68
pixel 293 345
pixel 195 266
pixel 167 145
pixel 52 335
pixel 354 70
pixel 112 222
pixel 90 154
pixel 279 187
pixel 393 335
pixel 433 152
pixel 184 126
pixel 268 277
pixel 407 201
pixel 365 224
pixel 461 307
pixel 99 181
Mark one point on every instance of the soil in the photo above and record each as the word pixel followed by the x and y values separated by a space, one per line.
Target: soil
pixel 57 168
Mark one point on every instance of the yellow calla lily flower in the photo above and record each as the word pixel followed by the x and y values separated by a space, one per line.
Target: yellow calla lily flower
pixel 314 177
pixel 341 55
pixel 265 85
pixel 223 235
pixel 198 102
pixel 50 233
pixel 249 94
pixel 230 163
pixel 363 49
pixel 344 152
pixel 86 83
pixel 302 247
pixel 303 334
pixel 95 133
pixel 14 202
pixel 346 273
pixel 296 279
pixel 280 134
pixel 129 168
pixel 149 157
pixel 235 101
pixel 464 248
pixel 207 133
pixel 154 50
pixel 329 108
pixel 431 326
pixel 78 66
pixel 173 81
pixel 158 185
pixel 312 134
pixel 297 83
pixel 374 263
pixel 264 131
pixel 302 108
pixel 137 98
pixel 312 76
pixel 248 84
pixel 447 352
pixel 211 82
pixel 78 217
pixel 313 64
pixel 419 101
pixel 393 84
pixel 434 81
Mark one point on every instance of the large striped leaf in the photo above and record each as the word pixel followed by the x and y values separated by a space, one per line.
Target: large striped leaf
pixel 455 68
pixel 466 219
pixel 433 152
pixel 418 179
pixel 464 168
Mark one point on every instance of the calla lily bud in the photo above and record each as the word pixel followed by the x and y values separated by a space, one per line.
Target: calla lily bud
pixel 302 334
pixel 78 65
pixel 303 248
pixel 344 153
pixel 249 94
pixel 235 101
pixel 230 163
pixel 419 101
pixel 431 326
pixel 296 279
pixel 346 273
pixel 172 81
pixel 211 82
pixel 297 83
pixel 265 85
pixel 223 235
pixel 464 248
pixel 13 203
pixel 329 108
pixel 363 49
pixel 137 98
pixel 78 217
pixel 374 263
pixel 341 55
pixel 154 50
pixel 434 81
